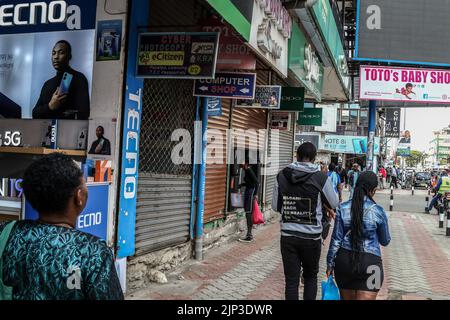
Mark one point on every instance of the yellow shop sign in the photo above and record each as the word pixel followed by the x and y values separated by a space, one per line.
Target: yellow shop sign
pixel 161 58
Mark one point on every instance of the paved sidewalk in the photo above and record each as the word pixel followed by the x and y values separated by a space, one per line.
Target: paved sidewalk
pixel 416 264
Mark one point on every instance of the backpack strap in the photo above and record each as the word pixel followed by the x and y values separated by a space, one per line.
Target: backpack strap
pixel 4 237
pixel 6 293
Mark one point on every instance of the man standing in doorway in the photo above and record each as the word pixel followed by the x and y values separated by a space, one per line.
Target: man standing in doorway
pixel 301 191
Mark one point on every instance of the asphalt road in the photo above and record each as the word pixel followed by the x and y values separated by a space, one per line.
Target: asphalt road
pixel 404 201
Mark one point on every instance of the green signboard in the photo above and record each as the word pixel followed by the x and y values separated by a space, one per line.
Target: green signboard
pixel 310 117
pixel 323 14
pixel 403 152
pixel 305 64
pixel 236 16
pixel 292 99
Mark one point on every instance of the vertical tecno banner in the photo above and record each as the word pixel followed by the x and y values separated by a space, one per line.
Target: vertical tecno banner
pixel 403 31
pixel 392 128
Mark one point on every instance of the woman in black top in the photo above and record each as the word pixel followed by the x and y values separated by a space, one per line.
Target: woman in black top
pixel 251 185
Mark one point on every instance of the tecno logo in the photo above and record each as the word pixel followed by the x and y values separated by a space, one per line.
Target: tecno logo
pixel 25 14
pixel 132 147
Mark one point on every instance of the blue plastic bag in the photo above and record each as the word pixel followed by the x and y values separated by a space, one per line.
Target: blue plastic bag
pixel 330 291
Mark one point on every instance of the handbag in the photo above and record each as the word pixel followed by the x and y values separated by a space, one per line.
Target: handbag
pixel 237 200
pixel 330 291
pixel 5 292
pixel 258 217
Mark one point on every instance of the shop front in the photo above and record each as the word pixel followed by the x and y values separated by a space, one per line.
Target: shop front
pixel 92 39
pixel 89 35
pixel 264 29
pixel 351 149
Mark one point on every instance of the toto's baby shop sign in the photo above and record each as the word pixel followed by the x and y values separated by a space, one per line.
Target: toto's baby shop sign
pixel 405 84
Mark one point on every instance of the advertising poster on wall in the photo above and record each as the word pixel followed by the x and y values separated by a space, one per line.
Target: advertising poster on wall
pixel 302 138
pixel 281 121
pixel 93 219
pixel 266 97
pixel 188 55
pixel 404 144
pixel 46 59
pixel 405 84
pixel 109 40
pixel 348 144
pixel 102 139
pixel 392 127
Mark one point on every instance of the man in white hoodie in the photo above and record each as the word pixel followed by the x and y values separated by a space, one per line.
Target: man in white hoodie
pixel 300 194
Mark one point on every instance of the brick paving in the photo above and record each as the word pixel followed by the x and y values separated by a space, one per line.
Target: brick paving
pixel 415 266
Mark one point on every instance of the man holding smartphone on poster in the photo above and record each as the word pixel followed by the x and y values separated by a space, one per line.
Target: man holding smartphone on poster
pixel 65 96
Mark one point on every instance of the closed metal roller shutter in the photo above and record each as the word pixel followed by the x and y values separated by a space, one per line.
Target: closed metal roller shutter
pixel 286 157
pixel 163 208
pixel 216 174
pixel 164 188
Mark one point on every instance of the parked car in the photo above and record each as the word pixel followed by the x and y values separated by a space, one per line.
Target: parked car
pixel 422 179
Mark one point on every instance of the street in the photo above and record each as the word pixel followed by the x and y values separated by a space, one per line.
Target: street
pixel 414 262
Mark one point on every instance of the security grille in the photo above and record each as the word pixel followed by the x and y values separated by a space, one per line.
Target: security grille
pixel 165 188
pixel 168 105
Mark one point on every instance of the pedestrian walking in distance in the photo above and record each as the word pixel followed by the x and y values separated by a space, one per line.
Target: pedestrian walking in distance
pixel 48 259
pixel 353 175
pixel 251 184
pixel 300 192
pixel 354 256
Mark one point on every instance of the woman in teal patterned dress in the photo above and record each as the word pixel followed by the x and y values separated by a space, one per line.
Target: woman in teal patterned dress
pixel 48 259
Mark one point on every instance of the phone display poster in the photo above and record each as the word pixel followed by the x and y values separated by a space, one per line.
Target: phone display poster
pixel 46 66
pixel 102 139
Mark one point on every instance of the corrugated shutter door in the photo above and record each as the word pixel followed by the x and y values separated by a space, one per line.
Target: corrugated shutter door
pixel 216 174
pixel 163 211
pixel 286 156
pixel 164 188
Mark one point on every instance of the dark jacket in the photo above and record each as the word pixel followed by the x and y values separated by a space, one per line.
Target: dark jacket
pixel 250 180
pixel 76 106
pixel 299 194
pixel 106 148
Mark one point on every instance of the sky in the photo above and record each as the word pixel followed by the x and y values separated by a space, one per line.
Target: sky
pixel 421 122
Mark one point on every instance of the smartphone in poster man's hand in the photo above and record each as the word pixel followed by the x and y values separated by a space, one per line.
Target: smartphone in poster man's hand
pixel 65 83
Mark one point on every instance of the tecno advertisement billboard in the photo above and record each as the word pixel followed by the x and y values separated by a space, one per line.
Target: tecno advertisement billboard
pixel 403 31
pixel 404 84
pixel 46 58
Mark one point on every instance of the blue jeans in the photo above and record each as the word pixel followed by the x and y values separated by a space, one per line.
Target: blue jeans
pixel 434 201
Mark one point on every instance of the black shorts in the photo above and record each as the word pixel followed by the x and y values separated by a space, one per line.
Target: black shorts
pixel 369 277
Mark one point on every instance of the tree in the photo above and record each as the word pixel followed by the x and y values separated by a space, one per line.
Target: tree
pixel 417 157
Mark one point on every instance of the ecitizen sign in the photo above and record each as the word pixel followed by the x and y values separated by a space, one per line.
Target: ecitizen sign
pixel 188 55
pixel 227 85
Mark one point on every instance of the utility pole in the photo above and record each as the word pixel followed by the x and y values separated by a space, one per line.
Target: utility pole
pixel 371 159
